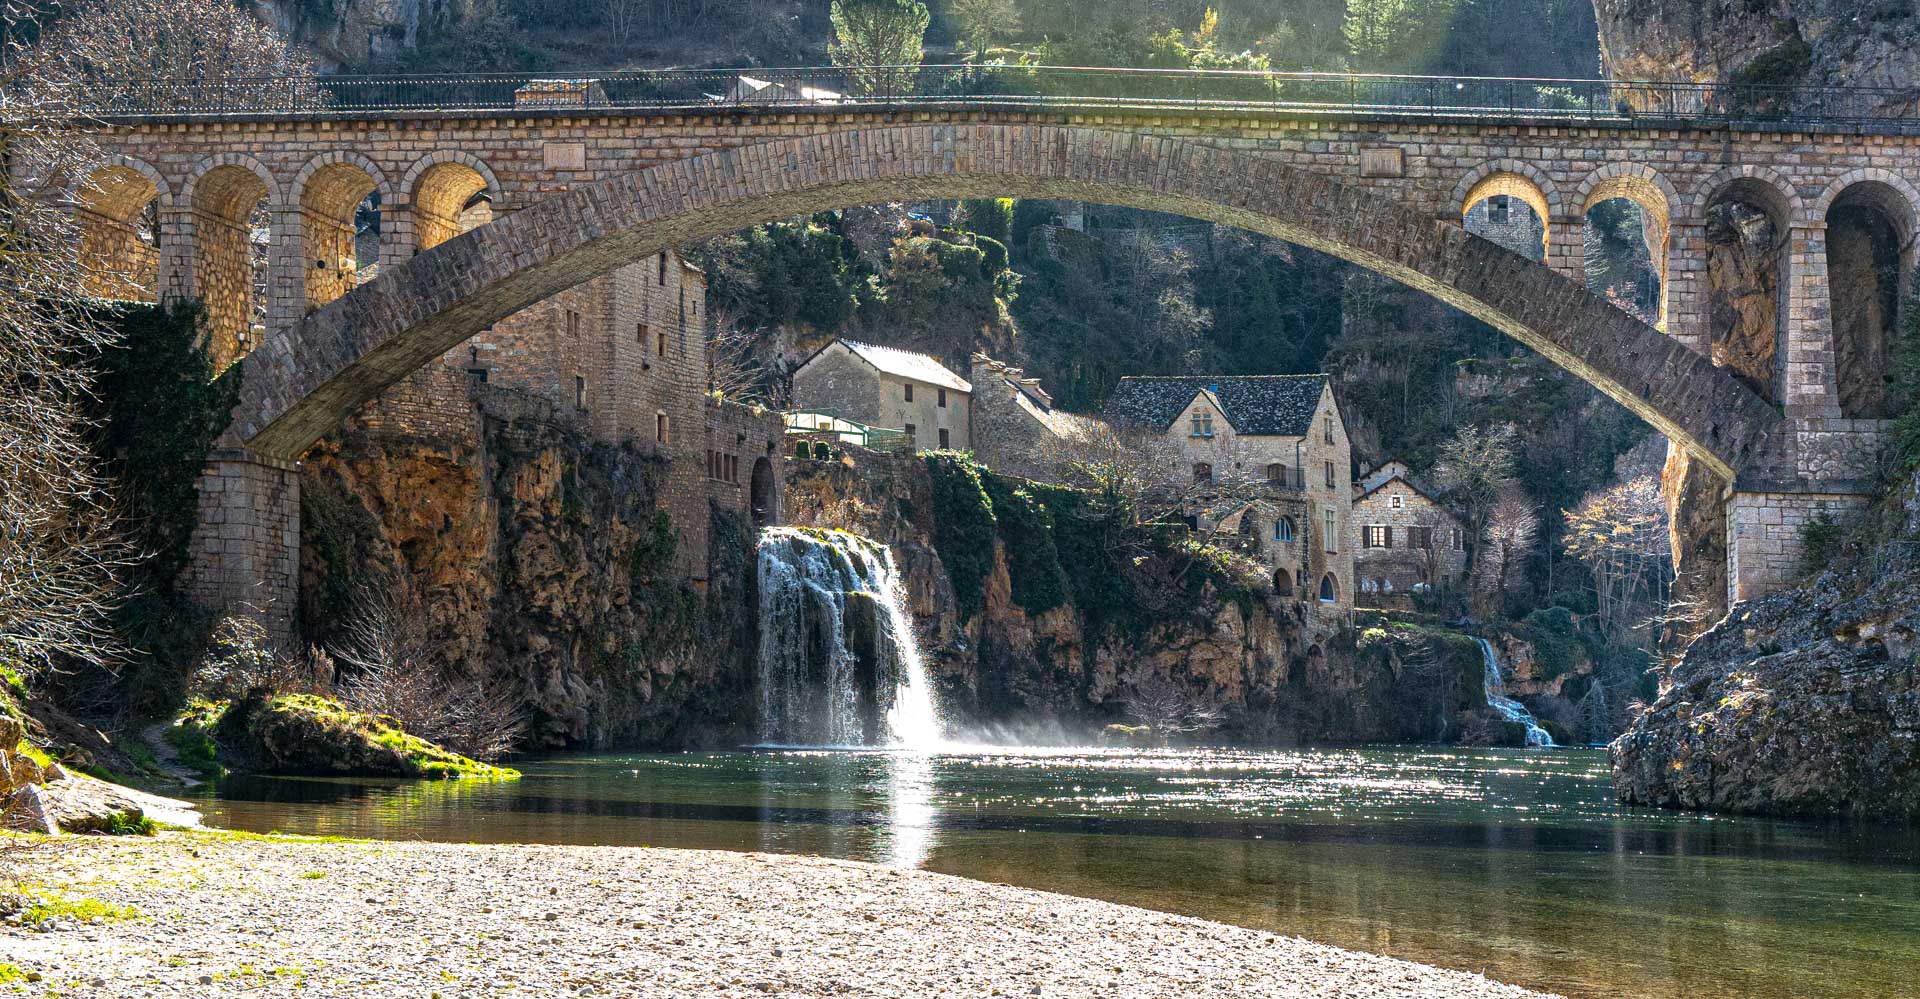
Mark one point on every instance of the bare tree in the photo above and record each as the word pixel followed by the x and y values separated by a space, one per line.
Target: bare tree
pixel 732 373
pixel 1474 471
pixel 980 20
pixel 1512 530
pixel 1170 708
pixel 241 658
pixel 389 671
pixel 61 558
pixel 151 54
pixel 1620 534
pixel 1127 465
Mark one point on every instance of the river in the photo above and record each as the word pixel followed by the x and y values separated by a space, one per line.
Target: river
pixel 1512 863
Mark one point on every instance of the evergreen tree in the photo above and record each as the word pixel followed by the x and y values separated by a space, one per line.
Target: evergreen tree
pixel 872 38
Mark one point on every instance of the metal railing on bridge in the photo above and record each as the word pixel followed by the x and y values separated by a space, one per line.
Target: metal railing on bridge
pixel 1249 92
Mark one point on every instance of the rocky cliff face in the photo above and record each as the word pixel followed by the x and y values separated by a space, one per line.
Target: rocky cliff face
pixel 535 556
pixel 1857 43
pixel 1002 670
pixel 1803 703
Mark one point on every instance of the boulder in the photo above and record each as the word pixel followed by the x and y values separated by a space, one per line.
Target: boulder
pixel 28 809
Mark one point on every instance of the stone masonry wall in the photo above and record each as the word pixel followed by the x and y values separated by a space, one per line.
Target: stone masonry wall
pixel 839 383
pixel 1765 531
pixel 246 547
pixel 1401 565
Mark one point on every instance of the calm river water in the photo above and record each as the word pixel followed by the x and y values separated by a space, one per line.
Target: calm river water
pixel 1513 863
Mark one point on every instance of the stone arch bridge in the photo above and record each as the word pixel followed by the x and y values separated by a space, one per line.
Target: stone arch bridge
pixel 182 203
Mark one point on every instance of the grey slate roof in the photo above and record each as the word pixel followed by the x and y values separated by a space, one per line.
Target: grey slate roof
pixel 1260 405
pixel 906 364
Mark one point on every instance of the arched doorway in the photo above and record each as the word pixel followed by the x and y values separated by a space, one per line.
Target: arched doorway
pixel 1282 583
pixel 764 498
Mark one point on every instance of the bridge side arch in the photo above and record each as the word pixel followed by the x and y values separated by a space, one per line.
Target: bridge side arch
pixel 228 199
pixel 329 191
pixel 315 374
pixel 1657 200
pixel 438 188
pixel 1869 219
pixel 1515 179
pixel 118 205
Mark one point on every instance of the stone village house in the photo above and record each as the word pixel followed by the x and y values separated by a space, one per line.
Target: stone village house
pixel 1276 449
pixel 1404 540
pixel 890 388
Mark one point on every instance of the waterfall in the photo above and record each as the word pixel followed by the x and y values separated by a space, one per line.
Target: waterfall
pixel 839 665
pixel 1509 708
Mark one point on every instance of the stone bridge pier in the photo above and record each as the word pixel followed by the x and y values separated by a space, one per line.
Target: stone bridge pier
pixel 246 547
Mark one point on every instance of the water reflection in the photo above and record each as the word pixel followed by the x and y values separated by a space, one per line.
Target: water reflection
pixel 1513 863
pixel 910 818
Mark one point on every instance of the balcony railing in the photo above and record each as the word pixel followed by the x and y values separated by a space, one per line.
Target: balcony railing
pixel 1065 87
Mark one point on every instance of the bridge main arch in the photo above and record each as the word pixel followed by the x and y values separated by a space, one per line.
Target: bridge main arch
pixel 304 382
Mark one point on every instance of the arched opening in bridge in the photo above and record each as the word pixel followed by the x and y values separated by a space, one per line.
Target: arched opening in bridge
pixel 341 222
pixel 1511 210
pixel 1870 230
pixel 232 231
pixel 1748 222
pixel 762 498
pixel 118 214
pixel 1624 235
pixel 449 198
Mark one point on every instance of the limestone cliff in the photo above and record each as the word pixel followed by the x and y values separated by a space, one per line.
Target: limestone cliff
pixel 540 557
pixel 1003 668
pixel 1855 43
pixel 1802 703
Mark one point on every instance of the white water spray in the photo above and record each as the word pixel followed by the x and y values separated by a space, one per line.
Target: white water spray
pixel 839 663
pixel 1509 708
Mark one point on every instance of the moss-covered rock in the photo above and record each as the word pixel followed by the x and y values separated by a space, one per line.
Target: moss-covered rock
pixel 306 734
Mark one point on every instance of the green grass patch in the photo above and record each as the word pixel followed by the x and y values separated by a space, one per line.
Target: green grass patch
pixel 10 973
pixel 420 757
pixel 47 906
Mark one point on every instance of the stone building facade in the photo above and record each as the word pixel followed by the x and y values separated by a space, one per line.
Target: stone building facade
pixel 890 388
pixel 1266 458
pixel 1404 540
pixel 1015 425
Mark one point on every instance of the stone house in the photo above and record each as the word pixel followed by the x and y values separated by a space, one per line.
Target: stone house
pixel 1015 423
pixel 623 357
pixel 887 387
pixel 1404 540
pixel 1266 458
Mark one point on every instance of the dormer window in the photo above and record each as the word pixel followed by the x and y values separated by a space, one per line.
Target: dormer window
pixel 1202 423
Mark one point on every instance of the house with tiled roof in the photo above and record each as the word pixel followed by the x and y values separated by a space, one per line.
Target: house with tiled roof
pixel 887 387
pixel 1274 450
pixel 1405 541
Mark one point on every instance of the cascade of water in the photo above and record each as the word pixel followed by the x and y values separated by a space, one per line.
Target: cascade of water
pixel 1509 708
pixel 839 664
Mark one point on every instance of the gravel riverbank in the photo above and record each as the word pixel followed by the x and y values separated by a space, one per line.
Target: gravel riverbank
pixel 217 915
